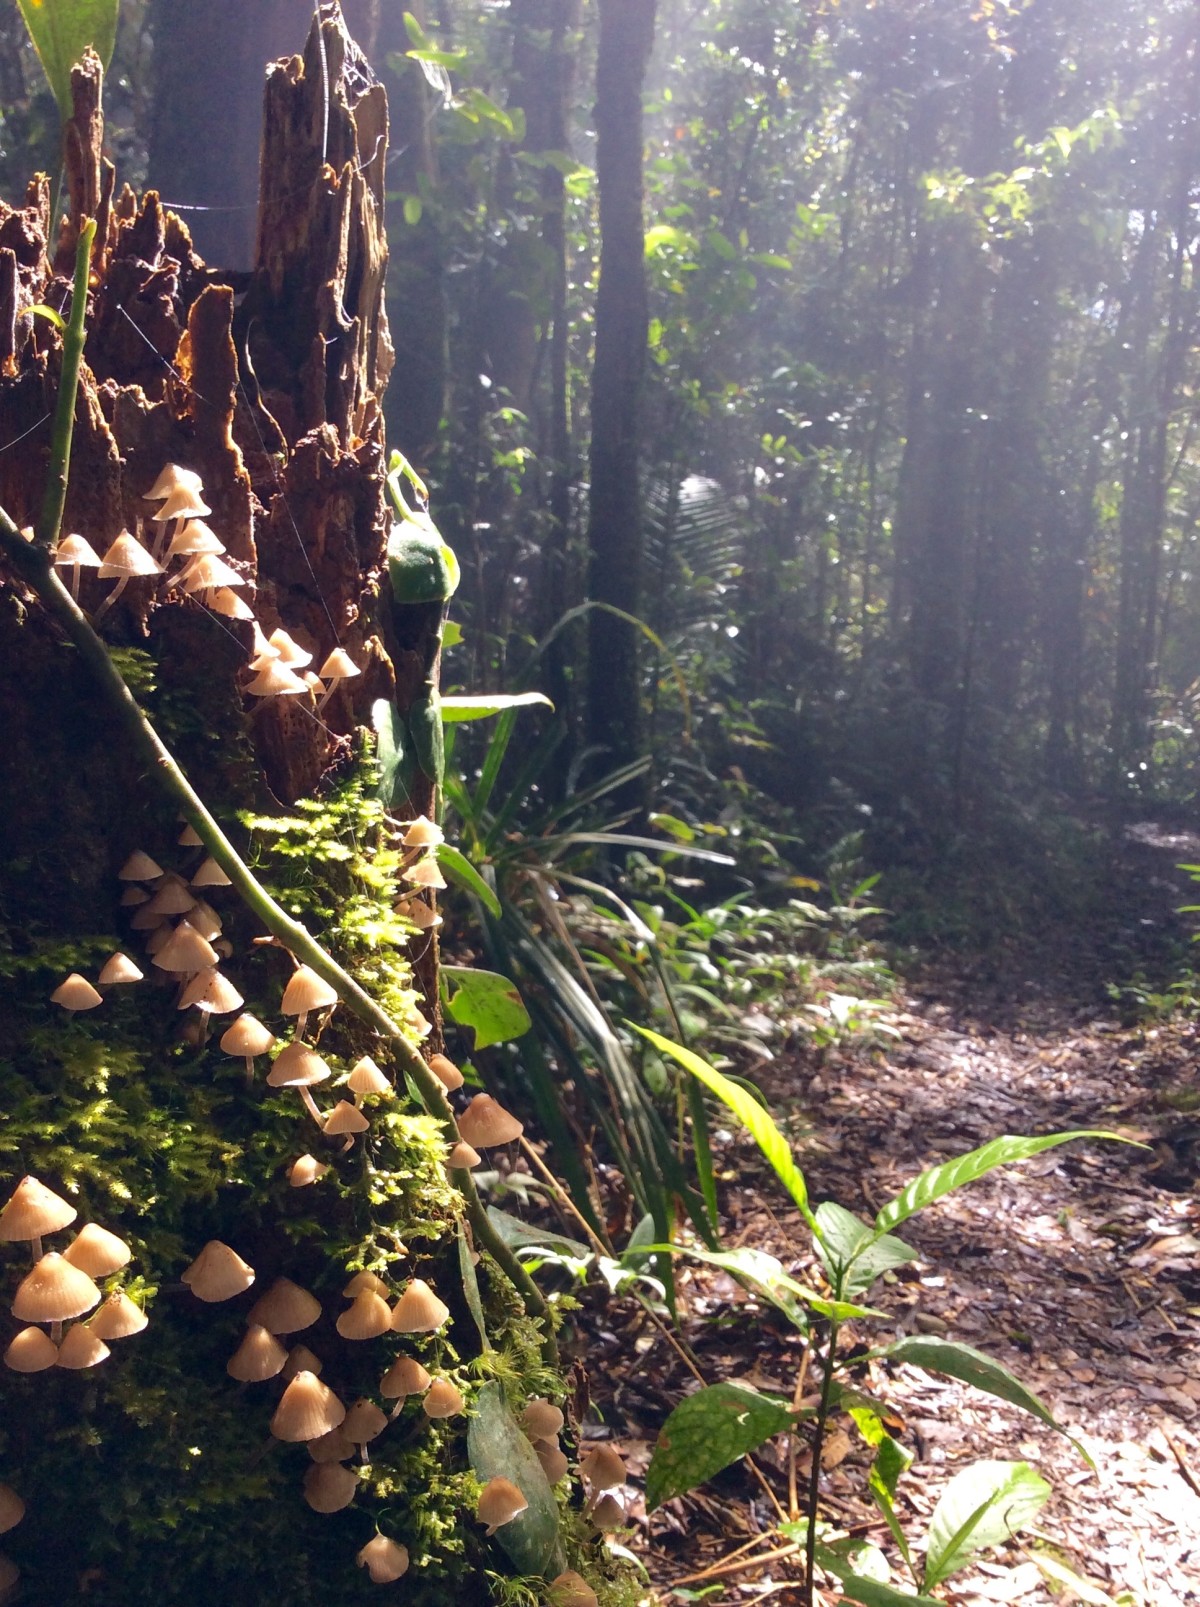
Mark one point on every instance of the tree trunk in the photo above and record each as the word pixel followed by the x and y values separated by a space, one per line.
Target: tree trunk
pixel 614 693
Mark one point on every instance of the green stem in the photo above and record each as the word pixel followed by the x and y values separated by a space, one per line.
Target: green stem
pixel 33 564
pixel 814 1479
pixel 50 522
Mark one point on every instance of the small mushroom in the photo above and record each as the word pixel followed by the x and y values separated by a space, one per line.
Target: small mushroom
pixel 365 1280
pixel 550 1455
pixel 608 1513
pixel 119 968
pixel 307 1409
pixel 226 602
pixel 139 867
pixel 212 993
pixel 339 666
pixel 76 993
pixel 246 1038
pixel 217 1273
pixel 173 896
pixel 33 1210
pixel 446 1072
pixel 259 1356
pixel 193 538
pixel 385 1560
pixel 174 478
pixel 124 560
pixel 297 1066
pixel 305 992
pixel 210 874
pixel 96 1251
pixel 328 1486
pixel 541 1420
pixel 54 1291
pixel 75 553
pixel 276 680
pixel 206 573
pixel 31 1351
pixel 133 896
pixel 601 1468
pixel 485 1123
pixel 12 1508
pixel 301 1360
pixel 186 952
pixel 425 873
pixel 443 1400
pixel 500 1502
pixel 404 1377
pixel 285 1308
pixel 345 1118
pixel 289 652
pixel 418 1310
pixel 331 1447
pixel 423 833
pixel 305 1169
pixel 570 1589
pixel 366 1318
pixel 363 1422
pixel 118 1317
pixel 366 1078
pixel 81 1348
pixel 415 909
pixel 462 1157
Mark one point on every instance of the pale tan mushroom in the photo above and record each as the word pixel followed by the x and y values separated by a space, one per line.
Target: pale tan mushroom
pixel 550 1455
pixel 118 1317
pixel 119 968
pixel 331 1447
pixel 443 1400
pixel 259 1356
pixel 227 603
pixel 366 1318
pixel 363 1423
pixel 301 1360
pixel 338 667
pixel 462 1157
pixel 570 1589
pixel 75 553
pixel 404 1377
pixel 446 1072
pixel 425 873
pixel 289 652
pixel 276 680
pixel 385 1560
pixel 602 1468
pixel 365 1280
pixel 419 1311
pixel 541 1420
pixel 193 538
pixel 186 951
pixel 210 874
pixel 285 1308
pixel 306 1410
pixel 366 1078
pixel 485 1123
pixel 299 1067
pixel 423 833
pixel 174 478
pixel 305 992
pixel 305 1169
pixel 608 1513
pixel 500 1501
pixel 76 993
pixel 32 1211
pixel 12 1508
pixel 245 1039
pixel 81 1348
pixel 139 867
pixel 217 1273
pixel 125 560
pixel 347 1119
pixel 328 1486
pixel 96 1251
pixel 32 1351
pixel 54 1291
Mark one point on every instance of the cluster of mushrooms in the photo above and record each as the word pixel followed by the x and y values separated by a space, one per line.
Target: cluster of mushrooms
pixel 177 531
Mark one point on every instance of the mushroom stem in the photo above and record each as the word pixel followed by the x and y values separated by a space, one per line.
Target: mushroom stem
pixel 249 1071
pixel 301 1023
pixel 75 568
pixel 111 598
pixel 35 1245
pixel 325 696
pixel 314 1110
pixel 56 1332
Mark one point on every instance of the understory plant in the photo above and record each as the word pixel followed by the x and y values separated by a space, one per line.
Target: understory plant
pixel 983 1505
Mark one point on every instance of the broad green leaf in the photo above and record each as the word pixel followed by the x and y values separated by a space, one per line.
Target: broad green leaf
pixel 498 1448
pixel 62 30
pixel 970 1367
pixel 391 753
pixel 705 1433
pixel 463 874
pixel 520 1234
pixel 852 1253
pixel 455 709
pixel 487 1002
pixel 757 1122
pixel 761 1271
pixel 982 1506
pixel 871 1592
pixel 939 1180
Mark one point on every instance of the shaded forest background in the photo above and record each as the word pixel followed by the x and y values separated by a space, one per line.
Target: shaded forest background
pixel 911 503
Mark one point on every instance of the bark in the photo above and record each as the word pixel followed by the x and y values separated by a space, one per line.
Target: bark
pixel 614 714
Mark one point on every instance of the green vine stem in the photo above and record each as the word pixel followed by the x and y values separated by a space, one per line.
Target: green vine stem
pixel 34 563
pixel 50 521
pixel 814 1481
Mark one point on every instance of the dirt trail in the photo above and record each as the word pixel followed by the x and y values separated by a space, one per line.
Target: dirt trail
pixel 1080 1270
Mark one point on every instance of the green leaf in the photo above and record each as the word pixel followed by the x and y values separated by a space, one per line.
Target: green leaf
pixel 39 310
pixel 931 1185
pixel 62 30
pixel 970 1367
pixel 498 1448
pixel 451 633
pixel 487 1002
pixel 757 1122
pixel 984 1505
pixel 470 1283
pixel 762 1272
pixel 413 208
pixel 391 754
pixel 852 1253
pixel 463 874
pixel 871 1592
pixel 455 709
pixel 705 1433
pixel 520 1234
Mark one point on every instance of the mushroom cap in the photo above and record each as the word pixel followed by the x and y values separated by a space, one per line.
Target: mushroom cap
pixel 183 501
pixel 189 837
pixel 305 1169
pixel 291 655
pixel 366 1280
pixel 500 1501
pixel 425 873
pixel 228 603
pixel 210 874
pixel 418 1310
pixel 32 1351
pixel 247 1036
pixel 211 992
pixel 366 1318
pixel 608 1513
pixel 443 1400
pixel 541 1420
pixel 419 913
pixel 297 1066
pixel 171 478
pixel 366 1078
pixel 423 833
pixel 462 1157
pixel 363 1421
pixel 258 1357
pixel 207 571
pixel 205 919
pixel 446 1072
pixel 125 558
pixel 385 1560
pixel 32 1210
pixel 218 1273
pixel 306 991
pixel 96 1251
pixel 285 1308
pixel 173 897
pixel 119 968
pixel 76 550
pixel 275 680
pixel 307 1409
pixel 139 867
pixel 133 896
pixel 339 666
pixel 550 1455
pixel 328 1486
pixel 194 537
pixel 12 1508
pixel 159 938
pixel 81 1348
pixel 186 952
pixel 336 1446
pixel 54 1291
pixel 345 1118
pixel 404 1377
pixel 76 993
pixel 118 1317
pixel 570 1589
pixel 602 1468
pixel 302 1360
pixel 486 1123
pixel 9 1574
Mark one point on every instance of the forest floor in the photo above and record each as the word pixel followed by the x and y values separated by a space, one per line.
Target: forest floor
pixel 1079 1270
